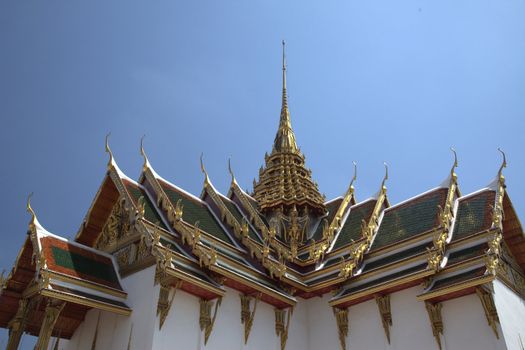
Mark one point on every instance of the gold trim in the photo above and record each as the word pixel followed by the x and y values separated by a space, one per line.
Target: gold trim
pixel 247 316
pixel 88 284
pixel 86 302
pixel 206 321
pixel 282 324
pixel 455 288
pixel 380 287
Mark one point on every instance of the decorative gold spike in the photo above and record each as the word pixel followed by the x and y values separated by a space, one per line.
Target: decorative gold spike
pixel 206 321
pixel 143 153
pixel 247 316
pixel 108 150
pixel 95 336
pixel 383 303
pixel 141 207
pixel 498 213
pixel 434 313
pixel 487 300
pixel 341 317
pixel 282 324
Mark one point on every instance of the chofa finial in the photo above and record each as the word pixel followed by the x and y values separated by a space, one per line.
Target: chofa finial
pixel 203 169
pixel 355 173
pixel 230 169
pixel 30 209
pixel 108 150
pixel 143 153
pixel 386 176
pixel 455 165
pixel 503 164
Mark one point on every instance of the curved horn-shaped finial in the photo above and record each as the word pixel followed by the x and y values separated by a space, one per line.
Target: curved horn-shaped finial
pixel 455 165
pixel 504 163
pixel 386 175
pixel 143 153
pixel 203 169
pixel 355 173
pixel 30 209
pixel 108 150
pixel 230 169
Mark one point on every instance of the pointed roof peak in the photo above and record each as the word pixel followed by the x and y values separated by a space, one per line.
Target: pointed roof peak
pixel 285 138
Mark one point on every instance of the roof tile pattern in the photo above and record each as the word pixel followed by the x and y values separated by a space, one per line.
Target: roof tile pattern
pixel 410 219
pixel 474 214
pixel 351 230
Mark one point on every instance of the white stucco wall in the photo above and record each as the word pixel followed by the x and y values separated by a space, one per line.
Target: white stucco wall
pixel 114 330
pixel 511 312
pixel 313 325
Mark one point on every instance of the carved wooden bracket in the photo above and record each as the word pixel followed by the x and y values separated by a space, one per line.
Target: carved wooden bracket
pixel 491 312
pixel 383 303
pixel 341 317
pixel 164 303
pixel 247 316
pixel 206 321
pixel 434 313
pixel 282 324
pixel 52 311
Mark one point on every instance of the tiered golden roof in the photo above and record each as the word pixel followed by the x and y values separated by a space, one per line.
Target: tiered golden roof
pixel 285 183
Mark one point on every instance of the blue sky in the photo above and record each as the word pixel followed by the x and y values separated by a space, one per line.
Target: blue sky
pixel 370 81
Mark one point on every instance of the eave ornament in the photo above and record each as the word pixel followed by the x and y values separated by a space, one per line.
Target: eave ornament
pixel 341 317
pixel 383 303
pixel 436 321
pixel 248 315
pixel 164 303
pixel 52 311
pixel 206 320
pixel 487 300
pixel 282 324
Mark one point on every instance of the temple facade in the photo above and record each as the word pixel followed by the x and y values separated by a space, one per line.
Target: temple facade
pixel 155 267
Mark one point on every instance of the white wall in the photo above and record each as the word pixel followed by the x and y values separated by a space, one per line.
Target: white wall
pixel 114 330
pixel 313 325
pixel 511 312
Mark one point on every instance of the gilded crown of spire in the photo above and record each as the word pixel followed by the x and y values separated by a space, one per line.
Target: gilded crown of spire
pixel 285 184
pixel 285 138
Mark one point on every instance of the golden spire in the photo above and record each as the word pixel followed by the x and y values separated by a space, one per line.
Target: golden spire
pixel 285 138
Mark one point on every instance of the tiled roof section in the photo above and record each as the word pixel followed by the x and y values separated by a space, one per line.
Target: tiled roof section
pixel 75 261
pixel 196 211
pixel 405 254
pixel 474 214
pixel 456 279
pixel 410 219
pixel 239 217
pixel 351 230
pixel 331 207
pixel 467 253
pixel 391 277
pixel 150 212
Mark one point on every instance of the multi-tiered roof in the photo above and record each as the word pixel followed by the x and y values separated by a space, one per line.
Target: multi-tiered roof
pixel 279 245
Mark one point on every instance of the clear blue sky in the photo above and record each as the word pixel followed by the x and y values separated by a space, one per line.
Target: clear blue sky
pixel 400 81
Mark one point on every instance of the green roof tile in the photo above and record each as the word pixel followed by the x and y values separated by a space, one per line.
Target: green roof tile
pixel 474 214
pixel 196 211
pixel 351 230
pixel 410 219
pixel 84 265
pixel 467 253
